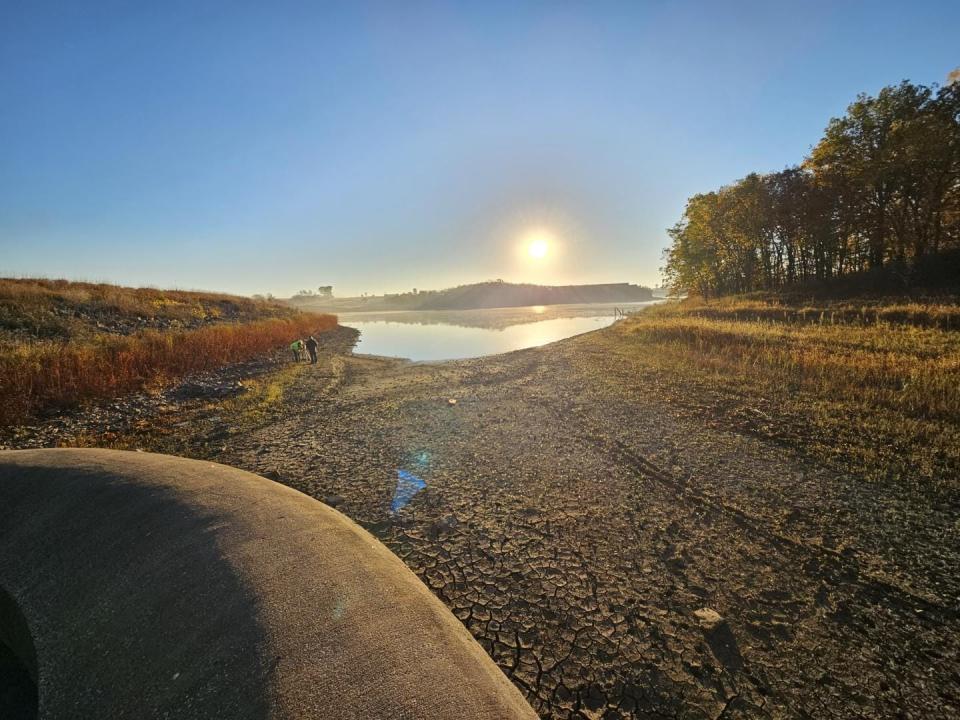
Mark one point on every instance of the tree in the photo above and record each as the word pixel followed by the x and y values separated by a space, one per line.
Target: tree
pixel 882 185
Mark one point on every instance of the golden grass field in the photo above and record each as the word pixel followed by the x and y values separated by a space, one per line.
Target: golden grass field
pixel 875 382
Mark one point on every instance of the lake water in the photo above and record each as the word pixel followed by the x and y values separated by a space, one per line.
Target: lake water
pixel 450 335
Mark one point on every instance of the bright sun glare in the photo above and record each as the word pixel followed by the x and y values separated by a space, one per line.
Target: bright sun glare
pixel 538 245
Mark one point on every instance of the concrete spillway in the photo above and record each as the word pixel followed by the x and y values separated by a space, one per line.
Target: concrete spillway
pixel 139 585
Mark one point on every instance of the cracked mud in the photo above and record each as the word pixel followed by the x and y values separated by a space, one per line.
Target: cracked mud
pixel 619 557
pixel 619 552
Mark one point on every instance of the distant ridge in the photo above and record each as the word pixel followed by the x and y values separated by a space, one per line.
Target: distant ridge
pixel 491 294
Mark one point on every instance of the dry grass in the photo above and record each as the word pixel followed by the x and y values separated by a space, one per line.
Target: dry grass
pixel 941 312
pixel 263 400
pixel 877 385
pixel 60 309
pixel 80 360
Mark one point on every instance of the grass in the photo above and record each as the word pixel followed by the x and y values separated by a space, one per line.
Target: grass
pixel 262 401
pixel 940 312
pixel 873 386
pixel 38 309
pixel 84 345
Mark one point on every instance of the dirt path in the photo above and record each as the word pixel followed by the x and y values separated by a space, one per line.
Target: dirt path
pixel 620 554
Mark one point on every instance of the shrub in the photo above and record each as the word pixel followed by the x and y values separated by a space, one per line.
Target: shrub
pixel 38 376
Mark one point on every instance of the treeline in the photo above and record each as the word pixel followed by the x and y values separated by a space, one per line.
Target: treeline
pixel 881 189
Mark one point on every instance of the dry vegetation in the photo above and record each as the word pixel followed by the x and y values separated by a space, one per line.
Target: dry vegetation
pixel 62 343
pixel 872 384
pixel 37 309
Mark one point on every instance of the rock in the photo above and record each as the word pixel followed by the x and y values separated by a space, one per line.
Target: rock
pixel 708 618
pixel 333 500
pixel 209 389
pixel 720 638
pixel 444 525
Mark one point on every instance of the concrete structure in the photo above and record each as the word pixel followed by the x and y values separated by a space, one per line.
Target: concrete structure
pixel 147 586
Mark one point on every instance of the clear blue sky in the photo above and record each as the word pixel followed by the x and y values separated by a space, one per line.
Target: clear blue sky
pixel 272 146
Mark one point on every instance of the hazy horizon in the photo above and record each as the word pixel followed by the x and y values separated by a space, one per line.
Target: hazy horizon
pixel 377 148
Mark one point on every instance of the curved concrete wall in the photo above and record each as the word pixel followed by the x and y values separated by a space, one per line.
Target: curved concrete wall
pixel 155 586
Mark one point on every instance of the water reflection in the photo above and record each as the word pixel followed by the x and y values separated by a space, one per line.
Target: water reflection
pixel 491 318
pixel 408 485
pixel 450 335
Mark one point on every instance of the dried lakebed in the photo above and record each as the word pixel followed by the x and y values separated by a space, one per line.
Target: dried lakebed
pixel 617 548
pixel 617 554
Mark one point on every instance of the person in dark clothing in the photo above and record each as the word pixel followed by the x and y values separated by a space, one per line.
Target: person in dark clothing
pixel 312 349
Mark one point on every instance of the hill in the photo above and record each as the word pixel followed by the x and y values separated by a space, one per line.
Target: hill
pixel 492 294
pixel 40 309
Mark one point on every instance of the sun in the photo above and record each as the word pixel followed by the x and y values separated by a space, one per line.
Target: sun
pixel 538 245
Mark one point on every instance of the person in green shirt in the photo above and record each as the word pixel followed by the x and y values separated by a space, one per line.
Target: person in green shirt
pixel 297 347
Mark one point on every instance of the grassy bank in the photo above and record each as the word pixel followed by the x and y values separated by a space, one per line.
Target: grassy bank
pixel 41 309
pixel 872 385
pixel 164 433
pixel 65 343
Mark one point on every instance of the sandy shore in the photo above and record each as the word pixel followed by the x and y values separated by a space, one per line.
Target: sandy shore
pixel 619 548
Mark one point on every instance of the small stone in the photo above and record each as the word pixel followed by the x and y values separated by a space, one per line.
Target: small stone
pixel 708 617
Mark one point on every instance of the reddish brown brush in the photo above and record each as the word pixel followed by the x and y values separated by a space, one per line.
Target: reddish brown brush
pixel 36 376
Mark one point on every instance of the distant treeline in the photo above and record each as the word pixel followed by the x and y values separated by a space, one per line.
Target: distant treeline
pixel 503 294
pixel 880 192
pixel 491 294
